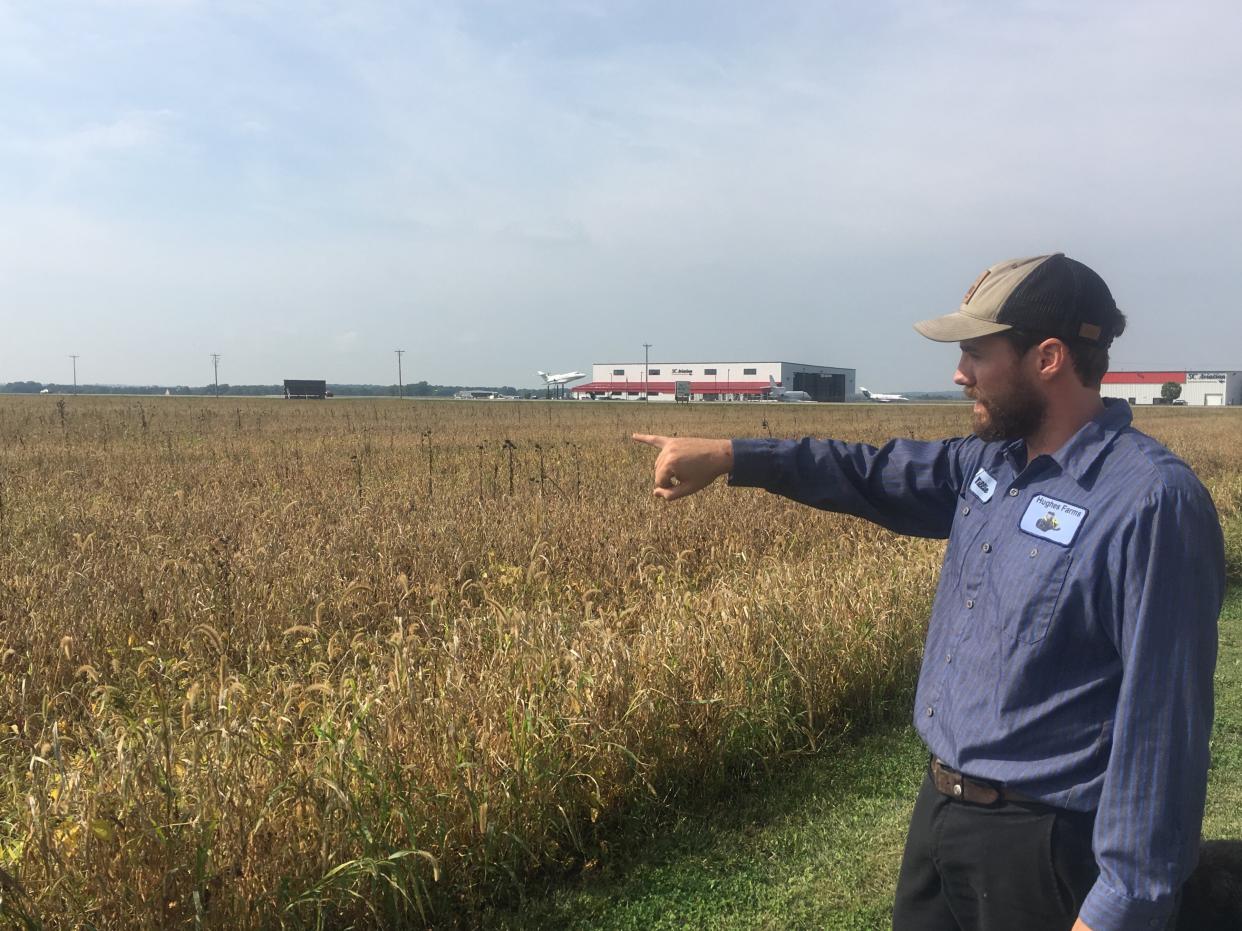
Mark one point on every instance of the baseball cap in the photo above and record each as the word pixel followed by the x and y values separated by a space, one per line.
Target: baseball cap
pixel 1044 294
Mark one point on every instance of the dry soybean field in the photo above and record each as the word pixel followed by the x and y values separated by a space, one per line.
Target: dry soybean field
pixel 270 664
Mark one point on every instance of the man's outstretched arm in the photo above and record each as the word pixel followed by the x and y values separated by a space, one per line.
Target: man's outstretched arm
pixel 907 486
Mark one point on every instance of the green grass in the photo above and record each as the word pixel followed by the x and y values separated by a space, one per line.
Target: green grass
pixel 1223 817
pixel 817 845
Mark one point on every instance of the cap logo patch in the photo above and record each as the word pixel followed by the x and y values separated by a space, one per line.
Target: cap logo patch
pixel 970 292
pixel 1089 331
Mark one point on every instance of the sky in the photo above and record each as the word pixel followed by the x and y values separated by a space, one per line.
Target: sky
pixel 501 186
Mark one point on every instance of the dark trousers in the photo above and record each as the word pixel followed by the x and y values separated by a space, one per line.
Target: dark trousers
pixel 1007 867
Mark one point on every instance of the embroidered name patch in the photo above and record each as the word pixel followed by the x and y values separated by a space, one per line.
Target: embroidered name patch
pixel 1053 520
pixel 983 485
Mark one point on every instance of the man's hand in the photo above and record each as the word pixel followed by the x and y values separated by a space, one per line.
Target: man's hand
pixel 1080 925
pixel 686 465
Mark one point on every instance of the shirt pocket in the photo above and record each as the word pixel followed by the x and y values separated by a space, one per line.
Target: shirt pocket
pixel 1029 588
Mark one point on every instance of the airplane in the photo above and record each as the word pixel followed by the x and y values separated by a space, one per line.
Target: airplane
pixel 780 394
pixel 562 379
pixel 881 398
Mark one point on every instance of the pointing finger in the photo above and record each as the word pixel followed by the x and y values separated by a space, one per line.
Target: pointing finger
pixel 657 441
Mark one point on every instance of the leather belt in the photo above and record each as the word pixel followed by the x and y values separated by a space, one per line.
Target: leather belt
pixel 976 791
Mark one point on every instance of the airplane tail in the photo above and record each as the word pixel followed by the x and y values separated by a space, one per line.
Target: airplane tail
pixel 771 383
pixel 864 392
pixel 544 376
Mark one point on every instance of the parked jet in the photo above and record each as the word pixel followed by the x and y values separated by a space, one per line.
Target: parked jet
pixel 882 398
pixel 777 393
pixel 562 379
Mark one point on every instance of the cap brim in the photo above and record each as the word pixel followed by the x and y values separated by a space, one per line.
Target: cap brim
pixel 957 326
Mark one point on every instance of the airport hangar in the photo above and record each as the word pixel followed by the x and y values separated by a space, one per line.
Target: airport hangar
pixel 713 381
pixel 1199 389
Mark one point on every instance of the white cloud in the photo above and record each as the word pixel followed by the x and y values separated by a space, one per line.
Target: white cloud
pixel 130 131
pixel 60 154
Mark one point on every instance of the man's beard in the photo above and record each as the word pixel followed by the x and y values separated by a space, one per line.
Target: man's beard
pixel 1015 415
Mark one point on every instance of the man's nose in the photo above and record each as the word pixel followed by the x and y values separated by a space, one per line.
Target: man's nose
pixel 961 378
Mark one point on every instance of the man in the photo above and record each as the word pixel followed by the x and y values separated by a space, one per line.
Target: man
pixel 1065 695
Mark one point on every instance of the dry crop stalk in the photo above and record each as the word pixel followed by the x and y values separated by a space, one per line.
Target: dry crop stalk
pixel 510 447
pixel 480 448
pixel 430 452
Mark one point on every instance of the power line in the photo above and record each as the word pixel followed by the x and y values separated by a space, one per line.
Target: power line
pixel 215 364
pixel 75 372
pixel 400 386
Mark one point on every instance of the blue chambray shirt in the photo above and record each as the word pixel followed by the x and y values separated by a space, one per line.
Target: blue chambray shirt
pixel 1072 642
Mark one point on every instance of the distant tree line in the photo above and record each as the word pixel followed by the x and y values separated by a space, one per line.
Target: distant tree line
pixel 420 389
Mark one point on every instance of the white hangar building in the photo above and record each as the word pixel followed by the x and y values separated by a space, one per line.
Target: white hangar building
pixel 714 381
pixel 1198 388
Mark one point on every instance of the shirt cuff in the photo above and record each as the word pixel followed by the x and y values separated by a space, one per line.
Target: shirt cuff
pixel 754 464
pixel 1106 910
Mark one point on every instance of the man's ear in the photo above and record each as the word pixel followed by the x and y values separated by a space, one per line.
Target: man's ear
pixel 1052 357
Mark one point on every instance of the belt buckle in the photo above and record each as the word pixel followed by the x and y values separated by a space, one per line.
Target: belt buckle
pixel 957 783
pixel 955 778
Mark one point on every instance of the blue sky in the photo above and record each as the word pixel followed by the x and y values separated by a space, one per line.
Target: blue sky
pixel 499 187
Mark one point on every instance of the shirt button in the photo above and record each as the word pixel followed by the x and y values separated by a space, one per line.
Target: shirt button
pixel 965 511
pixel 1013 492
pixel 1034 552
pixel 970 603
pixel 930 711
pixel 948 658
pixel 987 547
pixel 957 789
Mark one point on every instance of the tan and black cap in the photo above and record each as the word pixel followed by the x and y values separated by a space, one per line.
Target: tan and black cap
pixel 1047 294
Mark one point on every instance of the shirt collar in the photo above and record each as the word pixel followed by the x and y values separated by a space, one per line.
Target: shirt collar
pixel 1083 448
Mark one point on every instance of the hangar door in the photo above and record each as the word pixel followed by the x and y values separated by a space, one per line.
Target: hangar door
pixel 819 386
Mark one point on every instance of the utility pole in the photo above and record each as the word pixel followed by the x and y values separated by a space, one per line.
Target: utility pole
pixel 646 370
pixel 400 387
pixel 75 373
pixel 215 364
